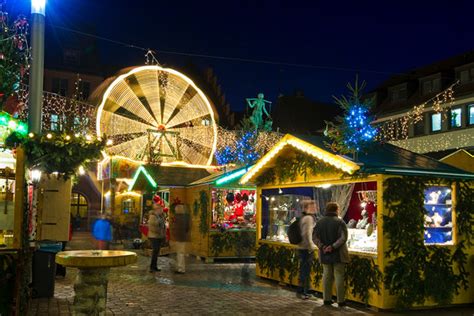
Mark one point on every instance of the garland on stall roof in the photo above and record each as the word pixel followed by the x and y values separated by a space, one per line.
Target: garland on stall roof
pixel 54 152
pixel 288 169
pixel 419 272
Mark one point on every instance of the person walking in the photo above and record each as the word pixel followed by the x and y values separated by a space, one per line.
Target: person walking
pixel 180 235
pixel 306 247
pixel 102 231
pixel 331 238
pixel 156 234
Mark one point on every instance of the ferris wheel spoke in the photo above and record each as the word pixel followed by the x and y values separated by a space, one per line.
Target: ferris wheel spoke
pixel 197 134
pixel 185 98
pixel 192 110
pixel 114 124
pixel 140 87
pixel 130 148
pixel 125 97
pixel 125 137
pixel 112 107
pixel 194 152
pixel 176 90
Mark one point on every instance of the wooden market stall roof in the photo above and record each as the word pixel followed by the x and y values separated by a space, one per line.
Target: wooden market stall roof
pixel 460 159
pixel 379 159
pixel 150 177
pixel 228 178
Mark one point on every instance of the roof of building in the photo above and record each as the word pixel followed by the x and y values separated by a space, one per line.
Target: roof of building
pixel 379 159
pixel 445 67
pixel 228 178
pixel 165 176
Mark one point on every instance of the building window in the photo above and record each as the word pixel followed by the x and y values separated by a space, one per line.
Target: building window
pixel 419 128
pixel 59 86
pixel 54 122
pixel 431 86
pixel 398 93
pixel 84 90
pixel 206 122
pixel 471 114
pixel 456 116
pixel 78 205
pixel 436 122
pixel 464 76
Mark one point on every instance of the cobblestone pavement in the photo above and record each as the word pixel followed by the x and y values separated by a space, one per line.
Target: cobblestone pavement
pixel 205 289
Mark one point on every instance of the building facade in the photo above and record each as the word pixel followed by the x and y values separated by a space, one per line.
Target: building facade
pixel 429 110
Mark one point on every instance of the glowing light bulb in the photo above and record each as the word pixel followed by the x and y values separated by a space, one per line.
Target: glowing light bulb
pixel 31 135
pixel 109 142
pixel 68 137
pixel 49 136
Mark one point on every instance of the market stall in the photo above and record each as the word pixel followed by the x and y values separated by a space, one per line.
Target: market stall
pixel 408 219
pixel 223 216
pixel 169 183
pixel 12 215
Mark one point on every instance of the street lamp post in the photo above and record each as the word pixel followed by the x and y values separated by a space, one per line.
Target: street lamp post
pixel 38 8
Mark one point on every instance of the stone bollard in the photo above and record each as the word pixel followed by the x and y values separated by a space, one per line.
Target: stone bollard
pixel 91 292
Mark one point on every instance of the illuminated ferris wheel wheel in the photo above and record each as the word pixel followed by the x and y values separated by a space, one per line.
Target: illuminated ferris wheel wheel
pixel 157 114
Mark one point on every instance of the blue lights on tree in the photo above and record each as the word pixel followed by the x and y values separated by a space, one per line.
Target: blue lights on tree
pixel 352 132
pixel 358 127
pixel 244 153
pixel 225 156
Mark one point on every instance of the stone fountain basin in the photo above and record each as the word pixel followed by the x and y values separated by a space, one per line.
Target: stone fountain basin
pixel 95 258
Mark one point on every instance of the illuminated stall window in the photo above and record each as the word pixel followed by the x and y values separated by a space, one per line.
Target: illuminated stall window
pixel 439 216
pixel 358 208
pixel 233 208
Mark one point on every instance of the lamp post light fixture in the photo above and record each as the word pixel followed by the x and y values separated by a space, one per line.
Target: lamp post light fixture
pixel 35 175
pixel 38 8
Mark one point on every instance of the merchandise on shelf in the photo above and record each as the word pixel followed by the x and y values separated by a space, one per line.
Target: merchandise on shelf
pixel 233 209
pixel 438 217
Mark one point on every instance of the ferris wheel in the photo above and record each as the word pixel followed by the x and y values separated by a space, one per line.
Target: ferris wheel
pixel 154 114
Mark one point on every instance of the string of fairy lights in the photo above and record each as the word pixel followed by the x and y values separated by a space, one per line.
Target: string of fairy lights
pixel 398 129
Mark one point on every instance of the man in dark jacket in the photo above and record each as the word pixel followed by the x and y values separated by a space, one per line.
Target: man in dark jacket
pixel 331 238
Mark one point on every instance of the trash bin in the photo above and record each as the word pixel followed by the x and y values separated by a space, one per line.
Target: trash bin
pixel 44 268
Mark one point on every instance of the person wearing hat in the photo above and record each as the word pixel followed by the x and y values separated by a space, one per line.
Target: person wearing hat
pixel 156 233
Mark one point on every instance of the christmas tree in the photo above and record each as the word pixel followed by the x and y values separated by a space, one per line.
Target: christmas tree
pixel 352 133
pixel 14 54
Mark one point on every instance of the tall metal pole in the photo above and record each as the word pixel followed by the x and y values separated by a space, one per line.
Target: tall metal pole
pixel 37 65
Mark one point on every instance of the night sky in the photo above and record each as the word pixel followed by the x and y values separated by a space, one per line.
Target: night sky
pixel 331 40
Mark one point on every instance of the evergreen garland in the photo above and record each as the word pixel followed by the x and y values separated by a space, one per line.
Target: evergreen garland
pixel 56 152
pixel 288 169
pixel 419 272
pixel 242 241
pixel 363 275
pixel 203 206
